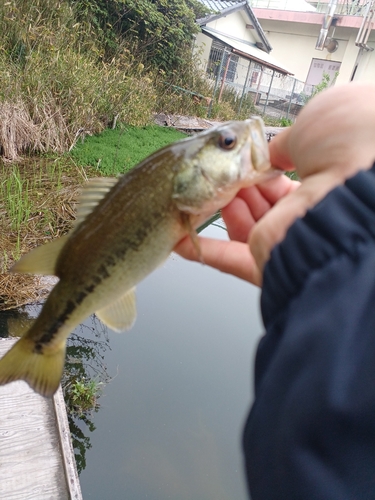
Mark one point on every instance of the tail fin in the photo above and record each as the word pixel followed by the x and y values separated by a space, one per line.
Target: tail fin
pixel 42 371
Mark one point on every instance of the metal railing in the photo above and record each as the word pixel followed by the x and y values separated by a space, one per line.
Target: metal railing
pixel 343 8
pixel 272 93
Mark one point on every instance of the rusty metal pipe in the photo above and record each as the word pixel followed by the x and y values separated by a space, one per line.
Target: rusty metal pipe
pixel 327 21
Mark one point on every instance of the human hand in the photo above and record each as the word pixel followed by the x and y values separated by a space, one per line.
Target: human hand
pixel 332 139
pixel 240 216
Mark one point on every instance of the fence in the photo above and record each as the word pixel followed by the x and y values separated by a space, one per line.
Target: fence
pixel 343 7
pixel 273 94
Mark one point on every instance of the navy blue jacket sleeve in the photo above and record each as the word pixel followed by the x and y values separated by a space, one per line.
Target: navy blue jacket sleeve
pixel 311 432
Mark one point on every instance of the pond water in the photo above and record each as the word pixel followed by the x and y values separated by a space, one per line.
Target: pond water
pixel 170 420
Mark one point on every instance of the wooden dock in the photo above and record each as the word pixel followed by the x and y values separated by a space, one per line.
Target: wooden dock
pixel 36 453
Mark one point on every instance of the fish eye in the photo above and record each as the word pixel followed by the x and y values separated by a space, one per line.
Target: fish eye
pixel 227 141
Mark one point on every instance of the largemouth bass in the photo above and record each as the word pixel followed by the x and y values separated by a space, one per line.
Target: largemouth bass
pixel 125 228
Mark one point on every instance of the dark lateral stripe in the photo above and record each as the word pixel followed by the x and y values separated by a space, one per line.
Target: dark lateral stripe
pixel 53 331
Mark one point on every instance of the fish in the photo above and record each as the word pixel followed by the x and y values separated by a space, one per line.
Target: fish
pixel 124 229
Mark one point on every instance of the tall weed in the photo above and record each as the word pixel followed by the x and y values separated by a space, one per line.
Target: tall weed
pixel 191 92
pixel 58 85
pixel 57 77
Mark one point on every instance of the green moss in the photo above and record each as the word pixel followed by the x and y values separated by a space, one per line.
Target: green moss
pixel 116 151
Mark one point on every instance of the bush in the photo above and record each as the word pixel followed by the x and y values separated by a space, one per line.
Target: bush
pixel 57 82
pixel 66 72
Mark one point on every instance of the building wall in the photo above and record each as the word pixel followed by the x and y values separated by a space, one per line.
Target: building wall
pixel 234 25
pixel 366 62
pixel 202 48
pixel 294 44
pixel 366 71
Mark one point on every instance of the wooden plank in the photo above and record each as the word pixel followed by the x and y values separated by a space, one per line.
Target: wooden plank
pixel 36 454
pixel 65 441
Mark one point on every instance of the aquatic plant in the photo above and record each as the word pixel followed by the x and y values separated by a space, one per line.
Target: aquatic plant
pixel 85 376
pixel 82 395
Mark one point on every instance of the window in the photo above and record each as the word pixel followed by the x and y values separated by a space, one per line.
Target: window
pixel 214 61
pixel 320 66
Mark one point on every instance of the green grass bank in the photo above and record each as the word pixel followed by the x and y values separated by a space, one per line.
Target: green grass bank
pixel 114 152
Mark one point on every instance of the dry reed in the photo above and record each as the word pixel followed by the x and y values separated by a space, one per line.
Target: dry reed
pixel 18 133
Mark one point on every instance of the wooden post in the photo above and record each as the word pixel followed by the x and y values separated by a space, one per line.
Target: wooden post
pixel 224 77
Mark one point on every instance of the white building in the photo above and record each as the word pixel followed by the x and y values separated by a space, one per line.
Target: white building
pixel 234 50
pixel 278 50
pixel 295 37
pixel 232 27
pixel 337 37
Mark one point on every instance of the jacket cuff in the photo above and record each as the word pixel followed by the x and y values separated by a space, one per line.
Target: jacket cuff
pixel 336 225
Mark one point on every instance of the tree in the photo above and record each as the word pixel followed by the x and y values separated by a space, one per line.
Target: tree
pixel 161 31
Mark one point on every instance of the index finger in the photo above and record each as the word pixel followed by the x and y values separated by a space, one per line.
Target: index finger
pixel 231 257
pixel 252 203
pixel 263 196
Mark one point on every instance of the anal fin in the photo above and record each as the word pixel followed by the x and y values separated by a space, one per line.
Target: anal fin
pixel 120 315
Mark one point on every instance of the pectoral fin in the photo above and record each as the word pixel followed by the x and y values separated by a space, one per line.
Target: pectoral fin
pixel 120 315
pixel 41 260
pixel 193 234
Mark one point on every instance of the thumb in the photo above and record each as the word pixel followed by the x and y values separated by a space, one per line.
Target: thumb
pixel 279 150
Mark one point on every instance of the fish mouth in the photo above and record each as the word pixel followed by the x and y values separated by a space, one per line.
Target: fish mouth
pixel 259 152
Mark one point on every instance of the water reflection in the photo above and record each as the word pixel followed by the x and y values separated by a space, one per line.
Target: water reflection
pixel 85 365
pixel 170 421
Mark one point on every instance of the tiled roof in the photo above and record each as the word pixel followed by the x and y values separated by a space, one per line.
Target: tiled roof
pixel 219 5
pixel 224 7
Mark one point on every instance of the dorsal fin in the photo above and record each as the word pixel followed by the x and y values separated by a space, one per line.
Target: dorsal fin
pixel 41 260
pixel 91 194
